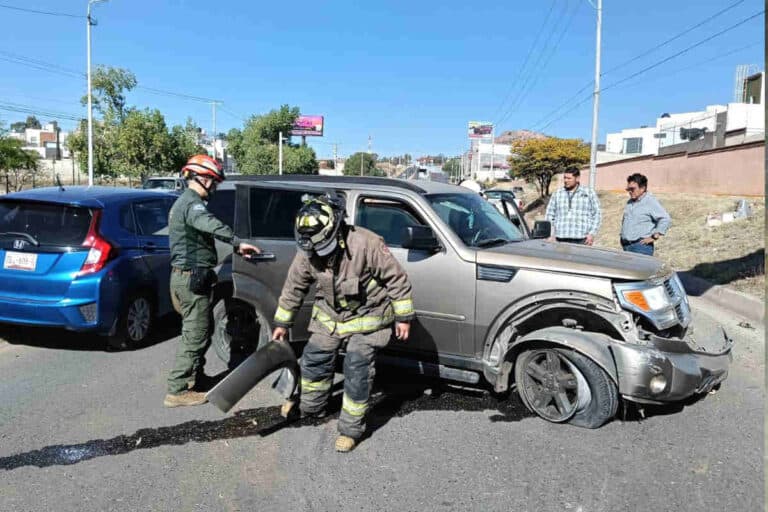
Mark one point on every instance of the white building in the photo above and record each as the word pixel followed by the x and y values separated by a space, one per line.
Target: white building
pixel 483 153
pixel 43 141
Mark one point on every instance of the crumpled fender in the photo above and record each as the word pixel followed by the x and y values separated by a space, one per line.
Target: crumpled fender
pixel 593 345
pixel 269 358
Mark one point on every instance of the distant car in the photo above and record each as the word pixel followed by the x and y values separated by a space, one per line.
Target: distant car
pixel 86 259
pixel 505 194
pixel 518 190
pixel 165 183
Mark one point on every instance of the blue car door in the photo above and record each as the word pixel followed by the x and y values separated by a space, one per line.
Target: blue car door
pixel 152 232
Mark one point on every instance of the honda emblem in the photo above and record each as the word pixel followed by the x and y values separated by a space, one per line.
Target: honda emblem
pixel 19 244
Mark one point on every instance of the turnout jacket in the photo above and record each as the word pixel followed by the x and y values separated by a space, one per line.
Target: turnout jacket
pixel 361 287
pixel 191 232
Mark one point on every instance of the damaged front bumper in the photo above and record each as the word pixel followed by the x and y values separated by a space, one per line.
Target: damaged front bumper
pixel 662 370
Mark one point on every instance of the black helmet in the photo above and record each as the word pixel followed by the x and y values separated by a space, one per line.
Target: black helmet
pixel 318 222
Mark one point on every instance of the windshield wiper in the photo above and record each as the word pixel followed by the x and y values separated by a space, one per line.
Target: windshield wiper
pixel 29 237
pixel 492 241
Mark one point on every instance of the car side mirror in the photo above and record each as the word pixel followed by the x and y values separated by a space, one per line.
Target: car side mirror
pixel 421 238
pixel 541 229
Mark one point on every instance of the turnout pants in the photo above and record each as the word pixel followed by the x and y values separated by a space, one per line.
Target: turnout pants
pixel 317 368
pixel 195 313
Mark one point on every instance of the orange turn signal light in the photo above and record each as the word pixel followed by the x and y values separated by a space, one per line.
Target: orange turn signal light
pixel 637 298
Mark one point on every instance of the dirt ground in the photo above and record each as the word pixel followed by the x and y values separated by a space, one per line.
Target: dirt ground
pixel 731 254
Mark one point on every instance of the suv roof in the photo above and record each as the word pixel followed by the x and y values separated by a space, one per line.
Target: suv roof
pixel 90 197
pixel 356 182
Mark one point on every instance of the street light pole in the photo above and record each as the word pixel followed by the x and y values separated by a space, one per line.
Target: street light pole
pixel 596 99
pixel 89 22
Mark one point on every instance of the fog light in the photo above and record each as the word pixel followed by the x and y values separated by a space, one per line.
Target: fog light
pixel 89 312
pixel 657 385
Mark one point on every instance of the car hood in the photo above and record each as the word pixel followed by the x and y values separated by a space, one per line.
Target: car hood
pixel 574 259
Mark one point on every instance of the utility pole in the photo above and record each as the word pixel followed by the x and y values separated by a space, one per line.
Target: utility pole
pixel 369 144
pixel 493 141
pixel 213 105
pixel 335 153
pixel 280 154
pixel 362 158
pixel 596 100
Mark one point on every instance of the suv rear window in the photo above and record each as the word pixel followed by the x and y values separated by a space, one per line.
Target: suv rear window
pixel 49 224
pixel 273 212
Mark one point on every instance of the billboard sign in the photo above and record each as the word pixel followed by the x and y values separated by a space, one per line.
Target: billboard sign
pixel 308 125
pixel 480 130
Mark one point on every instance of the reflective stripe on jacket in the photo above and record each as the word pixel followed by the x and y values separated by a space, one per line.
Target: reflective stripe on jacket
pixel 360 288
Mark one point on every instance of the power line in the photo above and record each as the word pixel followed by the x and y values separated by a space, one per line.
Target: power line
pixel 27 109
pixel 683 51
pixel 673 38
pixel 34 11
pixel 647 68
pixel 527 57
pixel 529 85
pixel 64 71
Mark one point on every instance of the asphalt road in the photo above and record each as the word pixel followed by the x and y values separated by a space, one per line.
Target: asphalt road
pixel 82 429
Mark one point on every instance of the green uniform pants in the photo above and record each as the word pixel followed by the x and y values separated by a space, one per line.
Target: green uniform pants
pixel 196 324
pixel 317 367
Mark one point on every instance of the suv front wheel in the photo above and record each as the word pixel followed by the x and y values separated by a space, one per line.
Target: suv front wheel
pixel 562 386
pixel 238 331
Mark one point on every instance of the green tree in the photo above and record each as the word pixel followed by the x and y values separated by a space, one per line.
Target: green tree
pixel 452 167
pixel 144 145
pixel 537 161
pixel 265 129
pixel 14 160
pixel 352 165
pixel 255 150
pixel 109 86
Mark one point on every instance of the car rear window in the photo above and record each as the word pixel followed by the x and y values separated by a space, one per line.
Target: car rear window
pixel 49 224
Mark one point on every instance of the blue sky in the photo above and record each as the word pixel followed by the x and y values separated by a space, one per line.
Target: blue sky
pixel 408 73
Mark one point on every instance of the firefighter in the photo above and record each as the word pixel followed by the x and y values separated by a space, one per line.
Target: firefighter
pixel 361 291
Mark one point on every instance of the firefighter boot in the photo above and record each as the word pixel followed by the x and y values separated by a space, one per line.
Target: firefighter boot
pixel 345 443
pixel 184 398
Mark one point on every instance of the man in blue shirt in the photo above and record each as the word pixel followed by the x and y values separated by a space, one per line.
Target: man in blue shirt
pixel 645 220
pixel 574 211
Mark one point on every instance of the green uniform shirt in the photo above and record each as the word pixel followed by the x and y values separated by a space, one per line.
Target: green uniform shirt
pixel 192 229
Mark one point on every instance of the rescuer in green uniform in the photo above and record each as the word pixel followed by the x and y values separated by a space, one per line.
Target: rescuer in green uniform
pixel 192 230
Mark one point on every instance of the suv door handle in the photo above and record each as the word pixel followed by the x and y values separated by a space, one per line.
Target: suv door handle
pixel 264 256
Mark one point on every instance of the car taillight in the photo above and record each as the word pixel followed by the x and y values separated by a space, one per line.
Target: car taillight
pixel 99 249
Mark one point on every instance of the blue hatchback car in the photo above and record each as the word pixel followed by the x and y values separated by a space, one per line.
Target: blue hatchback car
pixel 86 259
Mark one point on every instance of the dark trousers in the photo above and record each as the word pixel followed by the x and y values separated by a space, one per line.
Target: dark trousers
pixel 317 367
pixel 581 241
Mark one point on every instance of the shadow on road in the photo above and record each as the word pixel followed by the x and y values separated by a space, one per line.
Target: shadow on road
pixel 166 328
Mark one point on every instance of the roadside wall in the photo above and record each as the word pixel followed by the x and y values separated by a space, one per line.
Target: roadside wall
pixel 734 170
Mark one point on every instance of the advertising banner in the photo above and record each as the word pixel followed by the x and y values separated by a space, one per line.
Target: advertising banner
pixel 308 125
pixel 480 130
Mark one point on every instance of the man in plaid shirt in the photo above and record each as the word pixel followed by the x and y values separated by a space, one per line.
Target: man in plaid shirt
pixel 574 211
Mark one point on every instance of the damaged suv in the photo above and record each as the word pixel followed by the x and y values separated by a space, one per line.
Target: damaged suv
pixel 574 329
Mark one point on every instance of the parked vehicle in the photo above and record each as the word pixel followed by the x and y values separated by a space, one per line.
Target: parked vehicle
pixel 86 259
pixel 508 195
pixel 165 183
pixel 576 329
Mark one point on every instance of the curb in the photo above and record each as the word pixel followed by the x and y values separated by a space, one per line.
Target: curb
pixel 731 300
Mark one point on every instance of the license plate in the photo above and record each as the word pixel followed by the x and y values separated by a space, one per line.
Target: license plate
pixel 20 260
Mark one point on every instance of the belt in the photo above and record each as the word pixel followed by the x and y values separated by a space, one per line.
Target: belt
pixel 181 271
pixel 629 242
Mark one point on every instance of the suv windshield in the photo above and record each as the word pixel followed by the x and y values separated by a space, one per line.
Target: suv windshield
pixel 169 184
pixel 47 224
pixel 474 220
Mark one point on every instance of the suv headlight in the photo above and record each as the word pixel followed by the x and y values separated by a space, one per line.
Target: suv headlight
pixel 652 300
